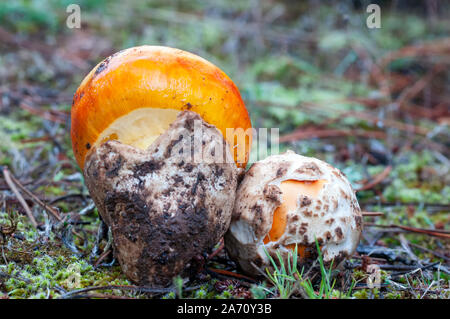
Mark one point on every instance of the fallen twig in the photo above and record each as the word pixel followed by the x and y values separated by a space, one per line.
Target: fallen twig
pixel 431 232
pixel 430 251
pixel 230 274
pixel 377 180
pixel 428 206
pixel 53 116
pixel 67 196
pixel 100 296
pixel 372 214
pixel 141 289
pixel 8 180
pixel 218 250
pixel 436 47
pixel 307 134
pixel 49 209
pixel 410 270
pixel 102 257
pixel 118 287
pixel 410 92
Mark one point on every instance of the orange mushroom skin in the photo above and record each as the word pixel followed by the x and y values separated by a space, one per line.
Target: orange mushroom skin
pixel 161 78
pixel 290 192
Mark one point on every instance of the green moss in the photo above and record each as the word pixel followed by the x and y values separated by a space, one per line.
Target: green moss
pixel 41 270
pixel 45 274
pixel 393 295
pixel 170 295
pixel 367 293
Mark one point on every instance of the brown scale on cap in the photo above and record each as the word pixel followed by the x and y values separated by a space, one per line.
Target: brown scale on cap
pixel 313 201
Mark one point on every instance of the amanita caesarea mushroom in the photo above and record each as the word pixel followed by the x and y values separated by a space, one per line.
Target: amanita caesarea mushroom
pixel 135 134
pixel 290 200
pixel 135 94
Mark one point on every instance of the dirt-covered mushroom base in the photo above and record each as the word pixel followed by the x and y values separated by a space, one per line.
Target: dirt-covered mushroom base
pixel 164 205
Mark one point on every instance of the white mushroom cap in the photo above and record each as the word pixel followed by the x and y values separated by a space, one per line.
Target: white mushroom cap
pixel 318 201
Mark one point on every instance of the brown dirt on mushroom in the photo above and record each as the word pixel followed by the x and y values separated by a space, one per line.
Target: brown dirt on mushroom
pixel 163 208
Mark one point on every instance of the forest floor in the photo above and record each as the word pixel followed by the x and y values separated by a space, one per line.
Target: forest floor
pixel 372 102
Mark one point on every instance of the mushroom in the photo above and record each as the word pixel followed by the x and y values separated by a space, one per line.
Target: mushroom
pixel 290 200
pixel 135 94
pixel 148 124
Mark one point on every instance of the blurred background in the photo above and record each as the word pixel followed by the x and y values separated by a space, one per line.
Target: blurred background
pixel 373 102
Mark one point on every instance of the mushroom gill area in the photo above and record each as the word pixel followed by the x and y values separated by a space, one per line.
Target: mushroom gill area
pixel 140 127
pixel 291 189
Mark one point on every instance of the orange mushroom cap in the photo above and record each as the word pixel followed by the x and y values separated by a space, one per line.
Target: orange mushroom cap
pixel 134 95
pixel 290 190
